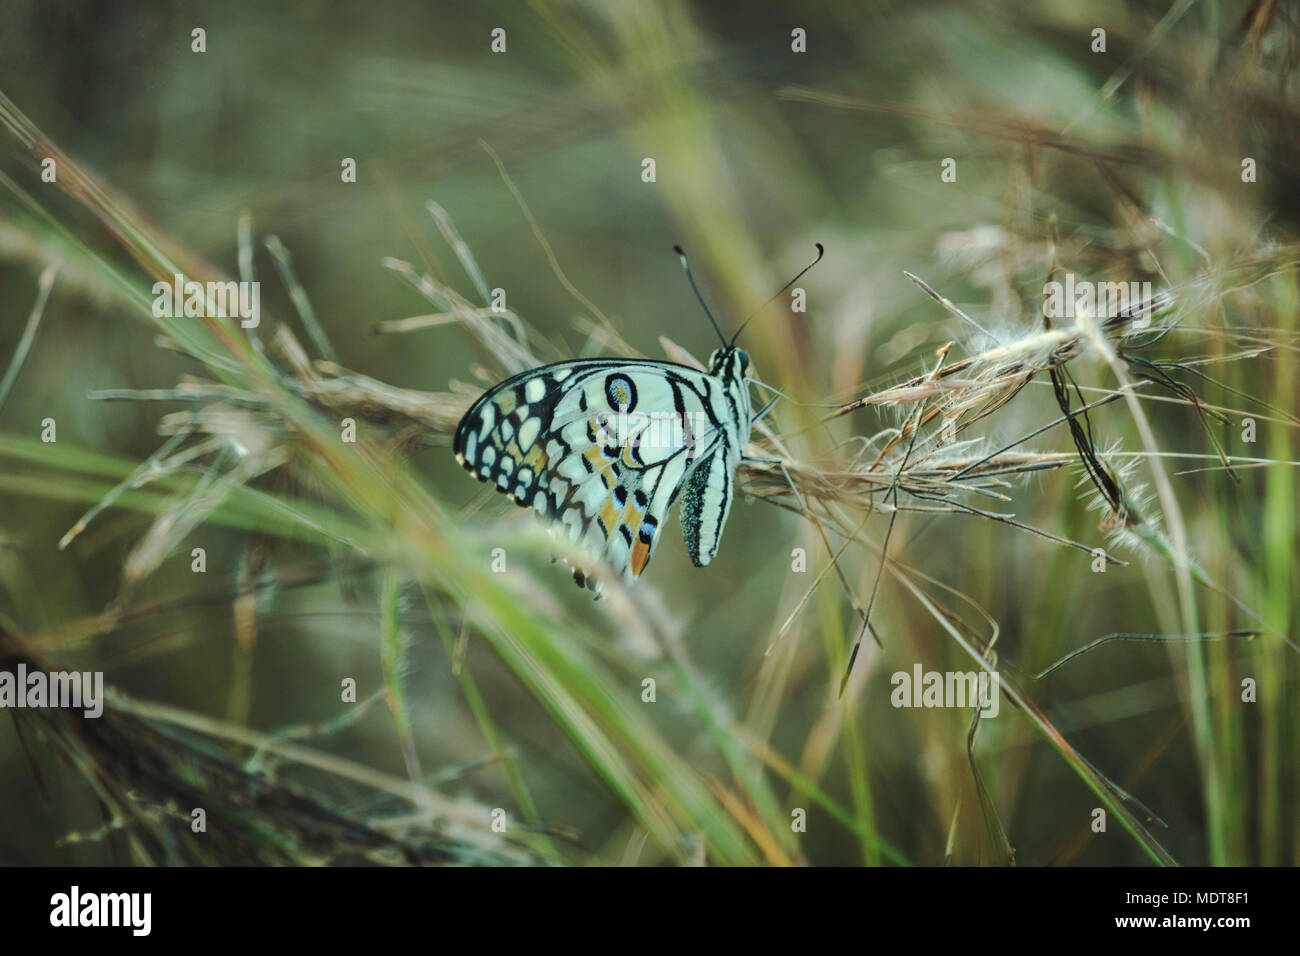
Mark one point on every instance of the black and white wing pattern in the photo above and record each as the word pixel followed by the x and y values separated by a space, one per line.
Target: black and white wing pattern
pixel 602 448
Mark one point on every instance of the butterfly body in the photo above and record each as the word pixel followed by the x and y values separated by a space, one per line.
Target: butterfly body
pixel 602 448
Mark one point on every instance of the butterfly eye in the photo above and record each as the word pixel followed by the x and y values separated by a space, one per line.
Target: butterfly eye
pixel 743 356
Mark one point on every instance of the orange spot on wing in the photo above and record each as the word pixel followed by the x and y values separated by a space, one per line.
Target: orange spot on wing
pixel 601 466
pixel 535 459
pixel 610 516
pixel 640 555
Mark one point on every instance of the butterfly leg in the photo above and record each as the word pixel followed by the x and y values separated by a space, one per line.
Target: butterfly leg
pixel 763 411
pixel 748 460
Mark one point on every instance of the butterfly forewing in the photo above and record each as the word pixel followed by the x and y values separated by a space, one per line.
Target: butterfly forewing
pixel 602 448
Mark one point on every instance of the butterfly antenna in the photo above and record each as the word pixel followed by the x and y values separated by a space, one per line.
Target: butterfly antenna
pixel 821 251
pixel 681 254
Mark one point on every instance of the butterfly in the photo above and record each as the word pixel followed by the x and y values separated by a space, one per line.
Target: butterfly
pixel 603 448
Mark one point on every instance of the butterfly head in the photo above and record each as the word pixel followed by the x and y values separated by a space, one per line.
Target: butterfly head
pixel 730 364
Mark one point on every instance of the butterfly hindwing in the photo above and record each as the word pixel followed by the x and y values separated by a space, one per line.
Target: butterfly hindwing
pixel 602 448
pixel 625 520
pixel 706 501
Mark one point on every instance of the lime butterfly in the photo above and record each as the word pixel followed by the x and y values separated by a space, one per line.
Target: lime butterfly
pixel 602 448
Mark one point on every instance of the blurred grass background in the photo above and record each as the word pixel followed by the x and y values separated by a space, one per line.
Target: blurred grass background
pixel 520 693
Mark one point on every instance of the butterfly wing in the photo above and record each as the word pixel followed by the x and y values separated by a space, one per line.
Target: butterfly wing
pixel 602 449
pixel 706 502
